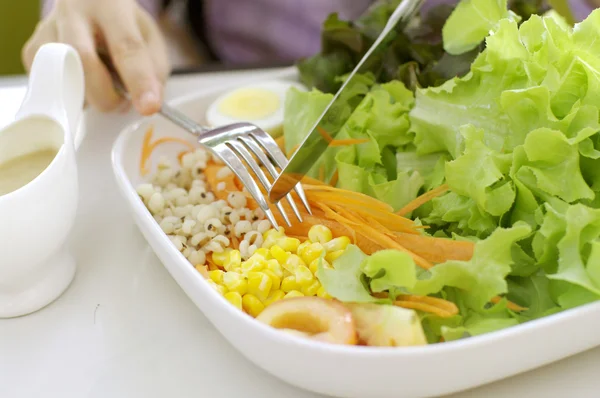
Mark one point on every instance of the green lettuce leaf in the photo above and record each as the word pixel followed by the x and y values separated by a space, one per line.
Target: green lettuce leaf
pixel 344 282
pixel 534 294
pixel 302 109
pixel 475 325
pixel 553 163
pixel 482 277
pixel 579 249
pixel 470 22
pixel 390 269
pixel 478 174
pixel 459 214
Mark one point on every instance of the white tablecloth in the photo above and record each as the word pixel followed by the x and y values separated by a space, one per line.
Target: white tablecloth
pixel 124 328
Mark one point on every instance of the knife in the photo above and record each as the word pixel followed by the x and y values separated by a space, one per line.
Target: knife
pixel 332 119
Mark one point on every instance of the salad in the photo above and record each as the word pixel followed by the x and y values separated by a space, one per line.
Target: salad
pixel 460 194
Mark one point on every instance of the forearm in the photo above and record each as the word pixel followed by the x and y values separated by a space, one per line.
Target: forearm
pixel 152 6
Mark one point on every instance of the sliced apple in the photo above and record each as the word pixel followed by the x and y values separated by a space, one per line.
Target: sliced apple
pixel 312 317
pixel 387 325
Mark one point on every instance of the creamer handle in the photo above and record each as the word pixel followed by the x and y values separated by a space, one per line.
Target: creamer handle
pixel 56 89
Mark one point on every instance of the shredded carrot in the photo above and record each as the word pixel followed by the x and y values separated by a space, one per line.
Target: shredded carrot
pixel 444 305
pixel 348 142
pixel 347 196
pixel 210 263
pixel 148 147
pixel 324 134
pixel 371 233
pixel 334 179
pixel 509 304
pixel 306 180
pixel 280 142
pixel 434 305
pixel 345 142
pixel 436 250
pixel 421 200
pixel 146 151
pixel 420 306
pixel 339 218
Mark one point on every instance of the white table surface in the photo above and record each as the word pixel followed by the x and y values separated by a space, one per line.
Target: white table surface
pixel 124 328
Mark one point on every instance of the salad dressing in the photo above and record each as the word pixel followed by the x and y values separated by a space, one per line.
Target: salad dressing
pixel 20 171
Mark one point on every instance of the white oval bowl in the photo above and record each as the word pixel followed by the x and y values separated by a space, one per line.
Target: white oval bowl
pixel 345 371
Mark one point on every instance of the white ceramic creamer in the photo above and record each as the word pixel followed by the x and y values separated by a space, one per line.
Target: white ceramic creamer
pixel 38 184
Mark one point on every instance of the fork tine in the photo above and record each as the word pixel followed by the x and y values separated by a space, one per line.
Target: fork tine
pixel 243 153
pixel 227 155
pixel 269 144
pixel 254 148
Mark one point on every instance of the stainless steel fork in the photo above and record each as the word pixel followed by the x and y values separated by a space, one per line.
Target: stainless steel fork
pixel 236 145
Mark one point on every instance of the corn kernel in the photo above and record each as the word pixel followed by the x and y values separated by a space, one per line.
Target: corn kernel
pixel 253 266
pixel 279 254
pixel 274 266
pixel 252 305
pixel 311 289
pixel 221 289
pixel 311 252
pixel 234 298
pixel 259 285
pixel 203 270
pixel 275 295
pixel 234 261
pixel 332 256
pixel 303 276
pixel 314 265
pixel 292 263
pixel 275 280
pixel 288 244
pixel 321 292
pixel 289 283
pixel 320 234
pixel 235 282
pixel 216 276
pixel 302 246
pixel 262 252
pixel 220 258
pixel 340 243
pixel 293 293
pixel 271 236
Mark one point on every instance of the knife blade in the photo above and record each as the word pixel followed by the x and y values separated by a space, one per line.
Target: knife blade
pixel 331 120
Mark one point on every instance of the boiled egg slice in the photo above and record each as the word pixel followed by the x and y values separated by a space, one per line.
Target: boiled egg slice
pixel 259 103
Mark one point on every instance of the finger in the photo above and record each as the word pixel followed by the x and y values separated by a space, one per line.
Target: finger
pixel 156 44
pixel 100 93
pixel 132 59
pixel 45 32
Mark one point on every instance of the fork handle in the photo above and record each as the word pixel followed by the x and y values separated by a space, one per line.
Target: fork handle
pixel 170 113
pixel 182 120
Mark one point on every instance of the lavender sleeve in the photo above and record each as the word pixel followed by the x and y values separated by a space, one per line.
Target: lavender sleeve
pixel 152 6
pixel 250 31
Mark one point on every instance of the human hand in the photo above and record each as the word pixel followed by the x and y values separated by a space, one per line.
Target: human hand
pixel 121 28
